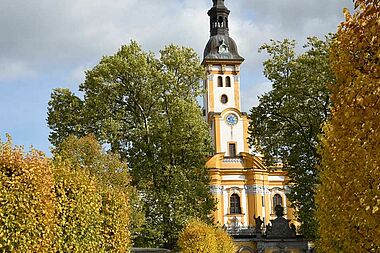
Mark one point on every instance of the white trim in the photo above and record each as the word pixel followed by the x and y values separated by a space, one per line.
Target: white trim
pixel 276 178
pixel 233 177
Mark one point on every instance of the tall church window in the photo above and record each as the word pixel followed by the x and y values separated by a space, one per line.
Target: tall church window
pixel 228 81
pixel 220 81
pixel 277 200
pixel 232 149
pixel 235 204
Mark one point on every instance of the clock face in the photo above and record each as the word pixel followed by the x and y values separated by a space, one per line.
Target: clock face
pixel 231 119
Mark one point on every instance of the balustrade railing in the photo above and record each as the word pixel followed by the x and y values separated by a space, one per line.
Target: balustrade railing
pixel 232 160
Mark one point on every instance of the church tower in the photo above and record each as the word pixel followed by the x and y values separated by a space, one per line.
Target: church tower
pixel 222 101
pixel 243 187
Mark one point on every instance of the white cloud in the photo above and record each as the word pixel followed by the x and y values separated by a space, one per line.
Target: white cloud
pixel 250 94
pixel 10 70
pixel 49 43
pixel 67 33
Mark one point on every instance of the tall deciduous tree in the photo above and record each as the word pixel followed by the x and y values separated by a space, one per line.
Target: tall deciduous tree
pixel 349 195
pixel 145 109
pixel 286 123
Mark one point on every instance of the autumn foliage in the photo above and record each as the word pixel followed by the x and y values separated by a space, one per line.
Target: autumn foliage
pixel 93 197
pixel 198 237
pixel 349 195
pixel 27 201
pixel 76 202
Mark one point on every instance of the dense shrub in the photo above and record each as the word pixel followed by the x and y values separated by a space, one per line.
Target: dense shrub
pixel 198 237
pixel 224 242
pixel 78 202
pixel 27 213
pixel 112 190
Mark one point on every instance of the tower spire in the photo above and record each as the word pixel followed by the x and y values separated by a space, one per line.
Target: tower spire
pixel 220 45
pixel 218 18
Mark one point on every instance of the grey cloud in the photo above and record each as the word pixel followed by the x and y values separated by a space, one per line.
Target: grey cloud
pixel 66 33
pixel 40 34
pixel 49 43
pixel 255 22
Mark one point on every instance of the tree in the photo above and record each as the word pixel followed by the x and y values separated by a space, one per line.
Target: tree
pixel 27 209
pixel 285 125
pixel 199 237
pixel 348 197
pixel 145 110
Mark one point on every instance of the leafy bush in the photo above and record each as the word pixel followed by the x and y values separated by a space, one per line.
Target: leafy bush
pixel 224 242
pixel 110 211
pixel 198 237
pixel 79 202
pixel 27 213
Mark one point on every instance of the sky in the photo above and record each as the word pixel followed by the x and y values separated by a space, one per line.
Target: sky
pixel 47 44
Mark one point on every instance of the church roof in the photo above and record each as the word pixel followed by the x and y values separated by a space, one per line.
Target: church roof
pixel 213 50
pixel 220 45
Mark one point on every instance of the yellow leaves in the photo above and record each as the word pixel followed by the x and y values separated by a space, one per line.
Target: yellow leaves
pixel 350 174
pixel 346 14
pixel 47 207
pixel 202 238
pixel 26 201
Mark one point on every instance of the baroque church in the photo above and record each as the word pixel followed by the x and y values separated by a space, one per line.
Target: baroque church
pixel 246 191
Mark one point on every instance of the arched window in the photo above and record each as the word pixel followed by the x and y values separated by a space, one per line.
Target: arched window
pixel 277 200
pixel 214 23
pixel 226 20
pixel 235 204
pixel 220 81
pixel 228 81
pixel 220 21
pixel 224 99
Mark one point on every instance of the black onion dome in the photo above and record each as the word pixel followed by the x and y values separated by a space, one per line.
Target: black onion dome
pixel 220 45
pixel 213 51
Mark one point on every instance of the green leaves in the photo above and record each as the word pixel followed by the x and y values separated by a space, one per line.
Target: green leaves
pixel 287 122
pixel 145 110
pixel 65 115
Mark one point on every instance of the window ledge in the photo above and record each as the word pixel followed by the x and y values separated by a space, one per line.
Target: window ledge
pixel 235 214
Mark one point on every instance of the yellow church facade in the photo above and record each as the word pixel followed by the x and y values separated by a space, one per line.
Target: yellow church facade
pixel 243 186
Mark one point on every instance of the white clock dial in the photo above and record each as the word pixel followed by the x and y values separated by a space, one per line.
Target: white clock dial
pixel 231 119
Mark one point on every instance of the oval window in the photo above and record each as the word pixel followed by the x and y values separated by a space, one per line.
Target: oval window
pixel 224 99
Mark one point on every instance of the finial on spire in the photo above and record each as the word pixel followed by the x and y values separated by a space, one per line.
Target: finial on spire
pixel 219 3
